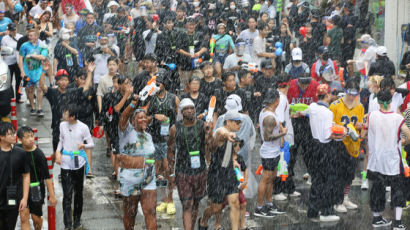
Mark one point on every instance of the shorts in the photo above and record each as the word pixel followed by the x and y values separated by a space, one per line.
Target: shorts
pixel 35 208
pixel 130 178
pixel 160 151
pixel 269 164
pixel 33 84
pixel 241 196
pixel 191 187
pixel 219 187
pixel 378 190
pixel 219 58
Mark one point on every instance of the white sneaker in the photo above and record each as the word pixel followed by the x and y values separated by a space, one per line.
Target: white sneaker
pixel 365 184
pixel 306 176
pixel 348 204
pixel 279 197
pixel 309 181
pixel 388 188
pixel 295 194
pixel 340 208
pixel 329 218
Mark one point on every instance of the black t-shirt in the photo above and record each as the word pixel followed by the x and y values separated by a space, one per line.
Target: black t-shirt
pixel 165 48
pixel 21 42
pixel 85 100
pixel 165 106
pixel 197 41
pixel 201 102
pixel 208 88
pixel 13 163
pixel 118 24
pixel 217 172
pixel 189 139
pixel 88 34
pixel 66 59
pixel 262 84
pixel 221 99
pixel 58 101
pixel 241 162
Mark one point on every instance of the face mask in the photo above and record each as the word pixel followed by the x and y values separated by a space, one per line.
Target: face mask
pixel 104 46
pixel 196 4
pixel 65 36
pixel 232 7
pixel 371 90
pixel 325 56
pixel 240 50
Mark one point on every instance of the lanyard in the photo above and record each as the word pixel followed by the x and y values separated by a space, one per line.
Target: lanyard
pixel 34 165
pixel 186 139
pixel 166 105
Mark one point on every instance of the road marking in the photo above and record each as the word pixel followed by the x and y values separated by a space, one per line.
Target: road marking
pixel 44 140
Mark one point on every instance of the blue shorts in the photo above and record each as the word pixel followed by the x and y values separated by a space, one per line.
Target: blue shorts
pixel 160 151
pixel 219 58
pixel 33 84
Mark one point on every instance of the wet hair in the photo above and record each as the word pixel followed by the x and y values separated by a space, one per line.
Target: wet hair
pixel 251 17
pixel 120 78
pixel 137 111
pixel 241 143
pixel 226 75
pixel 72 110
pixel 352 84
pixel 321 97
pixel 387 83
pixel 261 25
pixel 81 73
pixel 242 74
pixel 194 78
pixel 181 8
pixel 282 79
pixel 168 18
pixel 5 127
pixel 337 20
pixel 384 95
pixel 25 129
pixel 112 58
pixel 375 79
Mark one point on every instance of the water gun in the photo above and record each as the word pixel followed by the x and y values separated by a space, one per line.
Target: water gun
pixel 251 67
pixel 406 167
pixel 212 46
pixel 283 164
pixel 352 132
pixel 338 129
pixel 299 107
pixel 171 66
pixel 149 90
pixel 211 108
pixel 259 170
pixel 23 84
pixel 239 175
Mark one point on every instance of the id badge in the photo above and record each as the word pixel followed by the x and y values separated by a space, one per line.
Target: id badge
pixel 11 195
pixel 69 59
pixel 192 50
pixel 165 128
pixel 195 160
pixel 35 192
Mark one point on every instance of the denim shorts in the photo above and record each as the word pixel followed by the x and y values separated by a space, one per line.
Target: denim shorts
pixel 160 151
pixel 33 84
pixel 219 58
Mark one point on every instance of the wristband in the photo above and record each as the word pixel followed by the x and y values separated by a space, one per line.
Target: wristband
pixel 132 106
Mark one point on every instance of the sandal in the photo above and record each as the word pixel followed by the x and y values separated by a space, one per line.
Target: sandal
pixel 114 176
pixel 117 193
pixel 171 208
pixel 90 175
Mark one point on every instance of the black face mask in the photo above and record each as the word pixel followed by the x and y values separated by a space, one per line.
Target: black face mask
pixel 325 56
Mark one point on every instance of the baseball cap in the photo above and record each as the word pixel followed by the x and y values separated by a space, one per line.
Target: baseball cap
pixel 322 49
pixel 322 89
pixel 365 38
pixel 297 54
pixel 12 26
pixel 84 11
pixel 266 64
pixel 232 115
pixel 381 51
pixel 233 102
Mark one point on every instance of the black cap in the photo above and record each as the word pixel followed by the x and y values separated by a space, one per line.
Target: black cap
pixel 12 26
pixel 30 26
pixel 151 57
pixel 315 13
pixel 322 50
pixel 266 64
pixel 120 9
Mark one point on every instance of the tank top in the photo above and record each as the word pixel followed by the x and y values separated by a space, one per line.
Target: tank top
pixel 216 169
pixel 164 106
pixel 189 139
pixel 269 149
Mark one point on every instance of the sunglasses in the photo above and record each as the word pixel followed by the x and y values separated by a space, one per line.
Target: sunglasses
pixel 238 122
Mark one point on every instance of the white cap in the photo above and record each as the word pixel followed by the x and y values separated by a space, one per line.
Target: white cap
pixel 365 38
pixel 113 3
pixel 297 54
pixel 233 102
pixel 381 51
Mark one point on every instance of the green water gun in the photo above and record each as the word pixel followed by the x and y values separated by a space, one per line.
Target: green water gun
pixel 299 107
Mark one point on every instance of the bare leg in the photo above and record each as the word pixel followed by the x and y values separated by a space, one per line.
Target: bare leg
pixel 264 185
pixel 39 98
pixel 242 215
pixel 148 203
pixel 130 211
pixel 30 95
pixel 24 218
pixel 38 221
pixel 187 206
pixel 233 200
pixel 209 211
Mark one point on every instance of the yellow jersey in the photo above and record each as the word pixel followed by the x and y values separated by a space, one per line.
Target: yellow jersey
pixel 342 115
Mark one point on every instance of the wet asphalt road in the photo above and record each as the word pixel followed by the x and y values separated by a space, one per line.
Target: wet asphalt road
pixel 103 211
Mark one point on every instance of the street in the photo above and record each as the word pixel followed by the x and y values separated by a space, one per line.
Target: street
pixel 103 211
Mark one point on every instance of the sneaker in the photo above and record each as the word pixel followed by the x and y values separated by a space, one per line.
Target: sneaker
pixel 171 208
pixel 407 205
pixel 279 197
pixel 306 176
pixel 295 194
pixel 162 207
pixel 309 181
pixel 79 227
pixel 340 208
pixel 388 188
pixel 365 185
pixel 330 218
pixel 348 204
pixel 263 212
pixel 40 113
pixel 398 225
pixel 379 221
pixel 275 210
pixel 33 112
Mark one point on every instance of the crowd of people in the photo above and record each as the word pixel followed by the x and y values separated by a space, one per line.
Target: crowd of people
pixel 303 79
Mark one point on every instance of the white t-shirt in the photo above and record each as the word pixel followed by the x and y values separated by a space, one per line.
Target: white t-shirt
pixel 101 68
pixel 320 119
pixel 36 11
pixel 369 56
pixel 150 45
pixel 384 148
pixel 269 149
pixel 248 37
pixel 233 59
pixel 73 19
pixel 396 102
pixel 12 43
pixel 259 46
pixel 283 115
